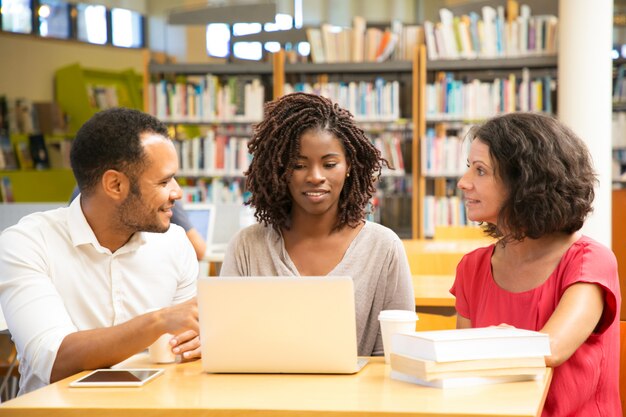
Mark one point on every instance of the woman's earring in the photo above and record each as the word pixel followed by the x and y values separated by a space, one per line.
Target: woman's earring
pixel 348 175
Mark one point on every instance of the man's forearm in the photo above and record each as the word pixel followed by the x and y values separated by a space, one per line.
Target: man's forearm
pixel 100 348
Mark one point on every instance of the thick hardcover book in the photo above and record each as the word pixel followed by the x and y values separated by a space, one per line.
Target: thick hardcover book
pixel 430 370
pixel 469 344
pixel 462 382
pixel 314 37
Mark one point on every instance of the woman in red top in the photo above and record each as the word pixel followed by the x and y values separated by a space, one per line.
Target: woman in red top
pixel 530 182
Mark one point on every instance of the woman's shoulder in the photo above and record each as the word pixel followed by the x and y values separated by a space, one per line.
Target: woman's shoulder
pixel 379 231
pixel 254 232
pixel 589 250
pixel 257 234
pixel 586 242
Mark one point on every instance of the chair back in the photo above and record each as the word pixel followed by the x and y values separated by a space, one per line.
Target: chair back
pixel 622 364
pixel 458 232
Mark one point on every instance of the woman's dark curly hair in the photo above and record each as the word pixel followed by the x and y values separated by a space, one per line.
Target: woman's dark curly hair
pixel 547 170
pixel 275 146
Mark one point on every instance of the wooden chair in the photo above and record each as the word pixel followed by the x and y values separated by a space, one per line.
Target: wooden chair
pixel 438 257
pixel 458 232
pixel 622 365
pixel 9 375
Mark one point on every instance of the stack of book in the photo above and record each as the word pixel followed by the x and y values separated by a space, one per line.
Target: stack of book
pixel 492 32
pixel 453 358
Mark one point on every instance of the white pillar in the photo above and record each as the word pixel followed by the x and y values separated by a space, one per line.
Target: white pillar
pixel 584 93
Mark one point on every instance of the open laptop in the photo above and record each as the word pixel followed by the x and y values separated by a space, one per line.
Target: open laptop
pixel 202 218
pixel 278 325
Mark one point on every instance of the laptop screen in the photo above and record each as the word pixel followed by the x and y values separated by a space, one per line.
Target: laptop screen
pixel 277 324
pixel 202 218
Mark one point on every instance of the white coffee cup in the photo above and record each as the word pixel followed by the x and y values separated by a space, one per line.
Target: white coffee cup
pixel 161 350
pixel 395 321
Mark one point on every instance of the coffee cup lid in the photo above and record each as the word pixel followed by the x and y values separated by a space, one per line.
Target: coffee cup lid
pixel 397 315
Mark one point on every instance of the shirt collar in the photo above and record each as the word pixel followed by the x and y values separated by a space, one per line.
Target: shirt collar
pixel 82 234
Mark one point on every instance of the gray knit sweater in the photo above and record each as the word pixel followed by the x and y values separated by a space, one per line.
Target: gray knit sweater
pixel 375 260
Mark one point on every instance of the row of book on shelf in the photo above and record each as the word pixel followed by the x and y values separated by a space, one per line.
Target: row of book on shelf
pixel 379 100
pixel 213 190
pixel 444 155
pixel 450 99
pixel 464 357
pixel 220 153
pixel 390 146
pixel 207 99
pixel 360 43
pixel 444 158
pixel 443 211
pixel 24 116
pixel 494 33
pixel 216 154
pixel 33 153
pixel 491 32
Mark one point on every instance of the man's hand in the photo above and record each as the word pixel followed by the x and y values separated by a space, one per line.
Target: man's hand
pixel 101 348
pixel 182 321
pixel 186 344
pixel 180 318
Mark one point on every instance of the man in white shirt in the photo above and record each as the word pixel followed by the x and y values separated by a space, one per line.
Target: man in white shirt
pixel 89 285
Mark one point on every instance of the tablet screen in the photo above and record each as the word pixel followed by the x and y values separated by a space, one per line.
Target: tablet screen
pixel 117 377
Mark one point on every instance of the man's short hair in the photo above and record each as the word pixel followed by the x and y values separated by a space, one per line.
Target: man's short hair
pixel 111 139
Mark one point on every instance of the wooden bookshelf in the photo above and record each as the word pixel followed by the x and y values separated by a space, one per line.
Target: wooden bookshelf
pixel 73 85
pixel 480 64
pixel 419 127
pixel 261 68
pixel 350 68
pixel 276 73
pixel 32 186
pixel 413 74
pixel 442 184
pixel 210 181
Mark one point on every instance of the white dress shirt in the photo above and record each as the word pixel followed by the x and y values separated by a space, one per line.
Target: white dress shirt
pixel 56 279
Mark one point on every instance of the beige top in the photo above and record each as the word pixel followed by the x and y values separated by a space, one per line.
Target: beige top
pixel 375 260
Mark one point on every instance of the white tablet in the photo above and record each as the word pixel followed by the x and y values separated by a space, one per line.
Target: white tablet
pixel 117 378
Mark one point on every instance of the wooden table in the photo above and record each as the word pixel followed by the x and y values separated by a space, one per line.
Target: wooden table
pixel 184 390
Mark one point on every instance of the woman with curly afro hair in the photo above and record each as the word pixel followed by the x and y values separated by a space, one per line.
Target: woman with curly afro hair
pixel 311 178
pixel 530 181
